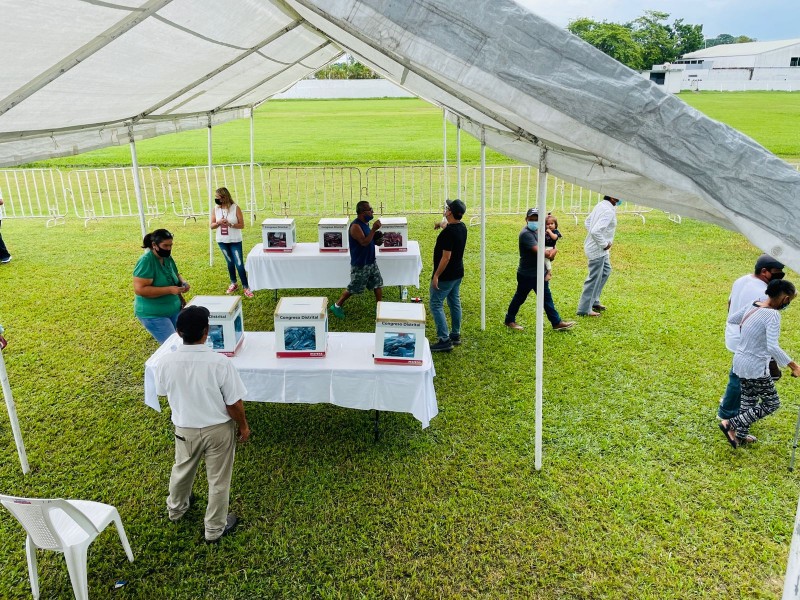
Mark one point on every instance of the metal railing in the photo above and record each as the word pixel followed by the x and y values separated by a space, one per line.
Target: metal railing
pixel 34 193
pixel 314 191
pixel 410 189
pixel 107 193
pixel 189 193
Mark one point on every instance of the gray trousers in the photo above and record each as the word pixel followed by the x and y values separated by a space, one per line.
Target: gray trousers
pixel 599 270
pixel 217 445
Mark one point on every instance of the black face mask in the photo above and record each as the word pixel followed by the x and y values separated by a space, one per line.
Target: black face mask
pixel 217 201
pixel 162 252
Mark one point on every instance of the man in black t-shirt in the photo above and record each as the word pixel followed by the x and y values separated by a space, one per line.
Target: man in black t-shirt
pixel 448 271
pixel 526 276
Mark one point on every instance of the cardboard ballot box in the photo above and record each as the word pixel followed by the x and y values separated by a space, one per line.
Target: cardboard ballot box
pixel 400 333
pixel 301 327
pixel 225 324
pixel 333 236
pixel 395 234
pixel 279 235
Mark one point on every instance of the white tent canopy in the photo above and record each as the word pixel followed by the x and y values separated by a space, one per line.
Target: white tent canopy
pixel 88 74
pixel 84 74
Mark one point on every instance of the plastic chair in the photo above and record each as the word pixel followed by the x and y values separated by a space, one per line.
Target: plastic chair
pixel 66 526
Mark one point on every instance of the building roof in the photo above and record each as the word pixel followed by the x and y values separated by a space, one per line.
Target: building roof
pixel 747 49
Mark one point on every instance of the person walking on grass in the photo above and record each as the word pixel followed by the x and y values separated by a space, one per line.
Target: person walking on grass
pixel 760 326
pixel 448 271
pixel 746 290
pixel 5 256
pixel 228 220
pixel 526 276
pixel 601 224
pixel 364 272
pixel 205 394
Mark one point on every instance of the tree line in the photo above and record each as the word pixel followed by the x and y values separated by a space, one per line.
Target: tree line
pixel 649 40
pixel 640 44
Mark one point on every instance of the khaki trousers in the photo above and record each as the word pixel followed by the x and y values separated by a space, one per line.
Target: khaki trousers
pixel 217 445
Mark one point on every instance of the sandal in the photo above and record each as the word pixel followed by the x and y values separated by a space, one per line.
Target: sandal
pixel 232 288
pixel 747 439
pixel 727 430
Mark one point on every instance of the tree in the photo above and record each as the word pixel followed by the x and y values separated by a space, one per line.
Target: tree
pixel 643 42
pixel 612 38
pixel 727 38
pixel 349 68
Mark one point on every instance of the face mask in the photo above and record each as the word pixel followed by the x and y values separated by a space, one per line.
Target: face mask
pixel 217 201
pixel 785 306
pixel 368 218
pixel 163 253
pixel 533 225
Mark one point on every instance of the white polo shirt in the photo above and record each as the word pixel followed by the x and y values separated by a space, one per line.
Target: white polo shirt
pixel 601 224
pixel 198 384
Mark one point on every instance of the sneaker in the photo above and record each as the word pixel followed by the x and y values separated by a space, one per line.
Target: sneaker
pixel 230 524
pixel 514 325
pixel 232 288
pixel 564 325
pixel 455 338
pixel 6 260
pixel 337 310
pixel 442 346
pixel 248 293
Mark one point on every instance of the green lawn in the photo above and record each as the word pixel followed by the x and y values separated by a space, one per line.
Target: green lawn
pixel 640 496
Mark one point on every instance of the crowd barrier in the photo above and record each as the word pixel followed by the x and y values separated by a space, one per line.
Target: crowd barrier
pixel 96 194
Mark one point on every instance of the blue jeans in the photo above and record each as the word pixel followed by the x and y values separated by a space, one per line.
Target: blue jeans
pixel 232 251
pixel 450 291
pixel 160 327
pixel 599 270
pixel 526 285
pixel 732 400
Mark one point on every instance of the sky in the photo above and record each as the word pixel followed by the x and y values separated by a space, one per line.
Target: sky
pixel 764 20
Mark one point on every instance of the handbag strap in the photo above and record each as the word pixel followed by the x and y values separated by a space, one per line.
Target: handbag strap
pixel 748 315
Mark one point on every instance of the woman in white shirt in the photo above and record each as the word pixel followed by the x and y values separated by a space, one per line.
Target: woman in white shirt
pixel 760 326
pixel 229 222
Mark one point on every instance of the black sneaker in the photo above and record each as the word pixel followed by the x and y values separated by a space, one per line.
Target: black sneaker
pixel 442 346
pixel 455 339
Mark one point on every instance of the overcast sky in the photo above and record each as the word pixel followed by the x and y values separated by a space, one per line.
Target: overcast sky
pixel 765 20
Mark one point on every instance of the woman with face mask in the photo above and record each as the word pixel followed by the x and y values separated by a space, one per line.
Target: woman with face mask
pixel 760 326
pixel 158 286
pixel 228 221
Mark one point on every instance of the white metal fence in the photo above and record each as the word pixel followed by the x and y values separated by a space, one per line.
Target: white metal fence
pixel 34 193
pixel 314 191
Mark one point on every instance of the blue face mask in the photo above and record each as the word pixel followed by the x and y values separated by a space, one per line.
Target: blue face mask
pixel 533 225
pixel 368 218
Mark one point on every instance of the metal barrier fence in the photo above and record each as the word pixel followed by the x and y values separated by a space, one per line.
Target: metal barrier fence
pixel 313 191
pixel 297 191
pixel 107 193
pixel 189 194
pixel 34 193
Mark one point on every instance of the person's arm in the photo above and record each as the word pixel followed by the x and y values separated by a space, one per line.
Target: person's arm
pixel 146 289
pixel 773 332
pixel 236 412
pixel 598 230
pixel 440 269
pixel 548 252
pixel 736 318
pixel 214 223
pixel 184 284
pixel 239 218
pixel 358 235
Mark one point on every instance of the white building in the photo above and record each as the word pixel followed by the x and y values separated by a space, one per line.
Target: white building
pixel 734 67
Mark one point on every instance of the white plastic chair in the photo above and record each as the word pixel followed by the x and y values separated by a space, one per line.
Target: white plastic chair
pixel 66 526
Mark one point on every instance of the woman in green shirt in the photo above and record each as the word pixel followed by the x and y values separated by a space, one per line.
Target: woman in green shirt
pixel 158 286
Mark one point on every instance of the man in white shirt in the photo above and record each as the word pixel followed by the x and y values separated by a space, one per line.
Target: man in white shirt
pixel 601 224
pixel 746 290
pixel 205 393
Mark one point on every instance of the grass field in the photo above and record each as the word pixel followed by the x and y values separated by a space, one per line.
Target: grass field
pixel 639 497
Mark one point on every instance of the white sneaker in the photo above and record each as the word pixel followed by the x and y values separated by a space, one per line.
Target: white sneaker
pixel 6 260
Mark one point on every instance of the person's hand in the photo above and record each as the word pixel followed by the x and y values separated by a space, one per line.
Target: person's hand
pixel 608 247
pixel 176 290
pixel 435 282
pixel 376 225
pixel 437 225
pixel 796 371
pixel 185 286
pixel 244 434
pixel 553 252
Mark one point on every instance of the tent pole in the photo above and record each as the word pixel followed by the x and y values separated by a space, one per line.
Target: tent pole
pixel 12 414
pixel 458 155
pixel 252 168
pixel 137 184
pixel 210 197
pixel 790 582
pixel 444 153
pixel 541 200
pixel 483 229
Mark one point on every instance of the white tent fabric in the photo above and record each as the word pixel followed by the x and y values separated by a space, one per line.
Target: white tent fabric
pixel 79 75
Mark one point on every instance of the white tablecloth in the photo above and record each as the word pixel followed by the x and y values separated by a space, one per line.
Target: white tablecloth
pixel 305 267
pixel 346 377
